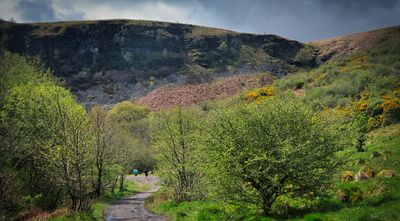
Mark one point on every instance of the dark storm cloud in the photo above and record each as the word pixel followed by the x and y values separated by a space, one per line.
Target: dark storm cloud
pixel 308 19
pixel 38 10
pixel 302 20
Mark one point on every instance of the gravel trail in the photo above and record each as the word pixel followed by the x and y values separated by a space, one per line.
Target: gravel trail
pixel 132 207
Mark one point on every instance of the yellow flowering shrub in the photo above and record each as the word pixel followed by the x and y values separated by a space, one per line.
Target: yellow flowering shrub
pixel 391 110
pixel 391 101
pixel 391 107
pixel 261 94
pixel 374 122
pixel 362 104
pixel 358 62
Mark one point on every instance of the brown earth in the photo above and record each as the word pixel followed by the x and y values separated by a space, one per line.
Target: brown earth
pixel 185 95
pixel 336 47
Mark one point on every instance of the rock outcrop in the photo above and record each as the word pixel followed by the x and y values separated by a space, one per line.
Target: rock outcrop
pixel 114 60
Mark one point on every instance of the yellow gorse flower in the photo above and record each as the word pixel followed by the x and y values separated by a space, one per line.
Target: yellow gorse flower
pixel 261 94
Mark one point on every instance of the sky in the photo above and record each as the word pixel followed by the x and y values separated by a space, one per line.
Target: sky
pixel 302 20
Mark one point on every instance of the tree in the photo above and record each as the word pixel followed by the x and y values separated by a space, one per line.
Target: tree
pixel 176 138
pixel 104 152
pixel 279 147
pixel 73 153
pixel 133 119
pixel 26 129
pixel 46 144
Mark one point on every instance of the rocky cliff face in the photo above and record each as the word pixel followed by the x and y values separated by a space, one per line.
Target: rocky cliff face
pixel 113 60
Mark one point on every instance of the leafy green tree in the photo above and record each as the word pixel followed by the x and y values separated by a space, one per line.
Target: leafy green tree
pixel 46 145
pixel 16 70
pixel 124 152
pixel 176 137
pixel 25 131
pixel 280 147
pixel 133 119
pixel 52 130
pixel 104 149
pixel 73 153
pixel 126 113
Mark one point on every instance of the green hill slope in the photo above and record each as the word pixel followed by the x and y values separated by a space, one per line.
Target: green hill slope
pixel 367 81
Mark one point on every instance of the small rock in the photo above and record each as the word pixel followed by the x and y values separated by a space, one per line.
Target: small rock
pixel 387 173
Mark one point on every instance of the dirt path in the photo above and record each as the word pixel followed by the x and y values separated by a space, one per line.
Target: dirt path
pixel 132 207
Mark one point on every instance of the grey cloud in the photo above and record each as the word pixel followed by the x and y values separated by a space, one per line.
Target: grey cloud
pixel 36 10
pixel 302 20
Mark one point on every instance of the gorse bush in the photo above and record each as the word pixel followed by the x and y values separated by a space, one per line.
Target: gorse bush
pixel 342 82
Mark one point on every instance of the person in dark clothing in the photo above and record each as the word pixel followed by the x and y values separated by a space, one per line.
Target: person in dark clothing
pixel 146 172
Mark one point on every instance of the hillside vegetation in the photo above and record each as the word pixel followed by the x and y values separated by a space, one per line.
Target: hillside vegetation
pixel 54 153
pixel 321 143
pixel 366 79
pixel 359 96
pixel 110 61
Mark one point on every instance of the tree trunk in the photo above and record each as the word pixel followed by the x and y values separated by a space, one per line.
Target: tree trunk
pixel 266 207
pixel 121 182
pixel 114 184
pixel 98 184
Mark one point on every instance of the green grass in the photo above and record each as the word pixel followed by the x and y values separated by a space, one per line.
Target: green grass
pixel 98 208
pixel 337 83
pixel 375 199
pixel 204 210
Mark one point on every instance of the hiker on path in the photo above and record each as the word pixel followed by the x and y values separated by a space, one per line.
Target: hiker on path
pixel 135 171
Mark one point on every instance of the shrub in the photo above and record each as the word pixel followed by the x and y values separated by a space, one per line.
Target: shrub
pixel 279 147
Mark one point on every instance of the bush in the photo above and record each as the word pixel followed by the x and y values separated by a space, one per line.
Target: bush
pixel 280 147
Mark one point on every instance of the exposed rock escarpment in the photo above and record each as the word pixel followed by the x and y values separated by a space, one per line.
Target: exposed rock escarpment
pixel 113 60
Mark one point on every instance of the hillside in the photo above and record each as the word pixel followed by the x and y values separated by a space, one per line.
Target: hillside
pixel 168 64
pixel 336 47
pixel 295 132
pixel 367 75
pixel 358 78
pixel 344 63
pixel 108 61
pixel 185 95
